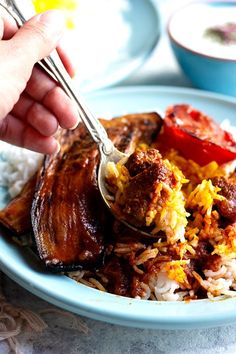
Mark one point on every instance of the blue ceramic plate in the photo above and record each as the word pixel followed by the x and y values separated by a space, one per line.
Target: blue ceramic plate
pixel 25 268
pixel 141 19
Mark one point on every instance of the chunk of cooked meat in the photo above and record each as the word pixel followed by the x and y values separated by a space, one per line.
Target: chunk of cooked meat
pixel 119 276
pixel 142 160
pixel 227 207
pixel 147 170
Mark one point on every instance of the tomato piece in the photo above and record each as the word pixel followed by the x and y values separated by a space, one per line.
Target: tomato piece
pixel 196 136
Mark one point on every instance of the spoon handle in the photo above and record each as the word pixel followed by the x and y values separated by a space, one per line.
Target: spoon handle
pixel 55 68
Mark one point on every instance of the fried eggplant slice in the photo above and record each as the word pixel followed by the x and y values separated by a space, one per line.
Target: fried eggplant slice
pixel 68 216
pixel 129 130
pixel 70 221
pixel 16 215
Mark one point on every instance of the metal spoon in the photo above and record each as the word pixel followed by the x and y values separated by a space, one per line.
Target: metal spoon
pixel 108 153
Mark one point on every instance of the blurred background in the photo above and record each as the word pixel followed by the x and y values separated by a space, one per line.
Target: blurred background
pixel 127 42
pixel 109 41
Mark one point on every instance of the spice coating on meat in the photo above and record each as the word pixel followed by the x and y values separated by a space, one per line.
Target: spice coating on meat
pixel 147 171
pixel 227 207
pixel 119 276
pixel 142 160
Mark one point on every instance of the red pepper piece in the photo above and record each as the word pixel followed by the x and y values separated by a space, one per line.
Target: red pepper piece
pixel 197 136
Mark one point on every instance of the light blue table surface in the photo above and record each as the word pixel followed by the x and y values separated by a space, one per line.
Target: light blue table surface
pixel 102 338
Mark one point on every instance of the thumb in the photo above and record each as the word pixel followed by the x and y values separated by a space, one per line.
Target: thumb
pixel 37 37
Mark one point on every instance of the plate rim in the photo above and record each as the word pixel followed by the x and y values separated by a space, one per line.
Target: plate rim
pixel 166 89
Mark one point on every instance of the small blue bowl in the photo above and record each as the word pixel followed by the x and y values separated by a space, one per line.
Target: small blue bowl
pixel 208 60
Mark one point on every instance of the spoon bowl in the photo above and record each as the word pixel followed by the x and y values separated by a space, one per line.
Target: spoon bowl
pixel 115 156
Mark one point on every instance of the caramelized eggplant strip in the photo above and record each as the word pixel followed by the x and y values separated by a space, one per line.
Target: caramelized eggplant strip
pixel 16 215
pixel 70 221
pixel 128 131
pixel 67 212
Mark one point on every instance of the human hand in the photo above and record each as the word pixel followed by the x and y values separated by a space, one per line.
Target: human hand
pixel 32 105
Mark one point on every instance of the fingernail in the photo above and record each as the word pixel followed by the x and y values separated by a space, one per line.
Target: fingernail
pixel 58 147
pixel 75 125
pixel 54 20
pixel 77 116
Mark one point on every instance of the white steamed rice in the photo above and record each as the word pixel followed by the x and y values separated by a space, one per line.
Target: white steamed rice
pixel 17 165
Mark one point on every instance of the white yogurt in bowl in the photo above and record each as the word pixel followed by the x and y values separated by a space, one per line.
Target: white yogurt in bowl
pixel 190 27
pixel 203 38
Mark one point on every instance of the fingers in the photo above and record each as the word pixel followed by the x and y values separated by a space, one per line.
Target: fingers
pixel 30 43
pixel 35 115
pixel 62 107
pixel 1 27
pixel 42 106
pixel 66 61
pixel 46 91
pixel 16 132
pixel 8 25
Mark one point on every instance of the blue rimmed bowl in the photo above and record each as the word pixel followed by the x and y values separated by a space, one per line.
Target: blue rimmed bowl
pixel 203 38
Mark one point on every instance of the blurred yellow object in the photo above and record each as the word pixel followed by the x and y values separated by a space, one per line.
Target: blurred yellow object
pixel 68 5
